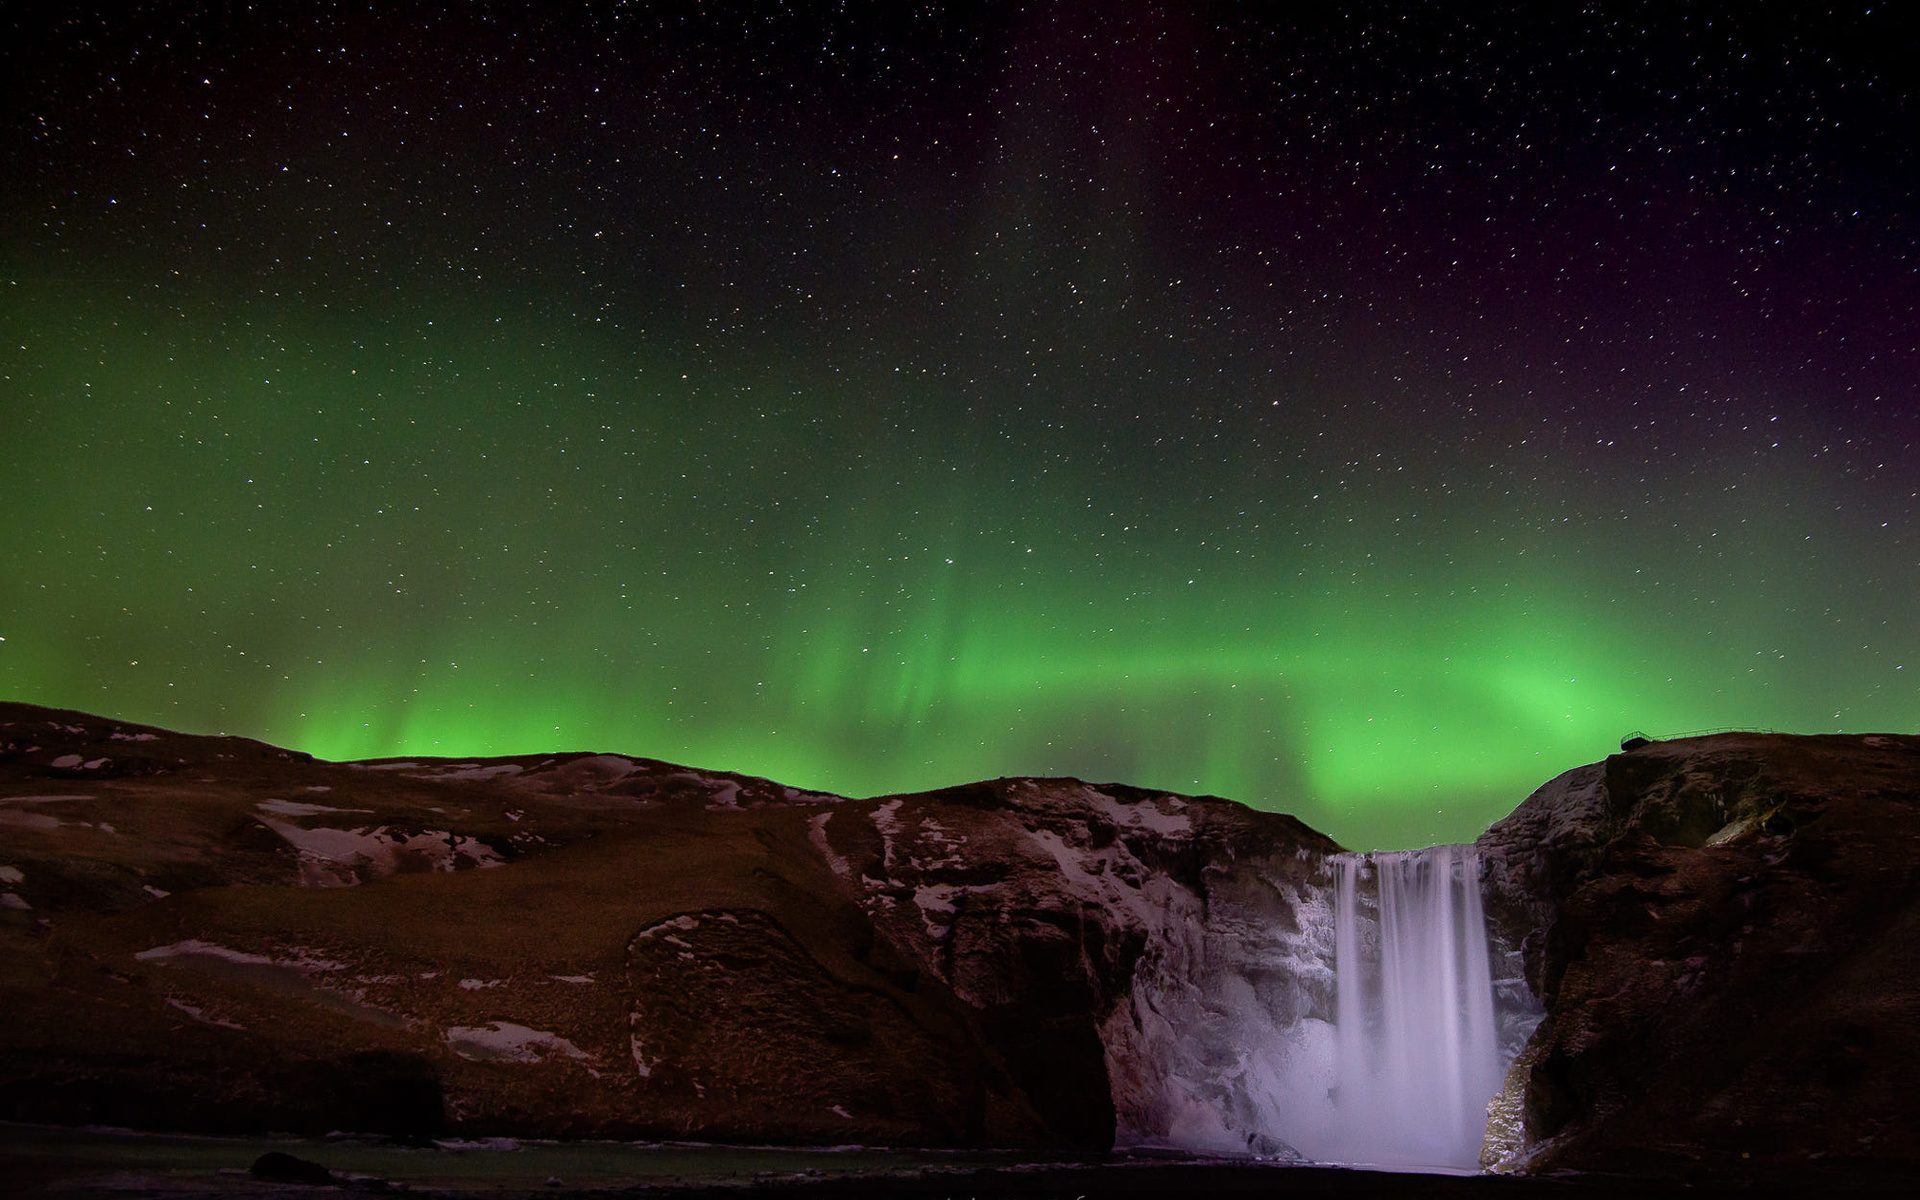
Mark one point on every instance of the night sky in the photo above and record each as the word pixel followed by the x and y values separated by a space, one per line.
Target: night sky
pixel 1368 412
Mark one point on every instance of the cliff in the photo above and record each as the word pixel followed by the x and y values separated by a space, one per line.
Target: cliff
pixel 1725 934
pixel 213 934
pixel 218 935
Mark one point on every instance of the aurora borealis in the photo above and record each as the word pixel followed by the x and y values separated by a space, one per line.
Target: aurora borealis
pixel 1367 412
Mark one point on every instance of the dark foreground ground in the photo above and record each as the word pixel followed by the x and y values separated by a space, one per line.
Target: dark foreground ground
pixel 102 1164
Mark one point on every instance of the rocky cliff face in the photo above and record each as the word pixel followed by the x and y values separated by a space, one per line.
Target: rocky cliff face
pixel 1113 940
pixel 1726 935
pixel 216 934
pixel 213 934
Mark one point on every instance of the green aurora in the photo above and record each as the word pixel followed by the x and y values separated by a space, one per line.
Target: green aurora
pixel 1367 411
pixel 485 536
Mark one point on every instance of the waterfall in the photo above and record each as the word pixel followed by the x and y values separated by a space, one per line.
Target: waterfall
pixel 1416 1052
pixel 1338 1012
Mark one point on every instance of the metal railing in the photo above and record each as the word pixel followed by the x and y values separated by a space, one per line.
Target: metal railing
pixel 1691 733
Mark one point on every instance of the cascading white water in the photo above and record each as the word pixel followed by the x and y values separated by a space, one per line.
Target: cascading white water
pixel 1417 1055
pixel 1339 1013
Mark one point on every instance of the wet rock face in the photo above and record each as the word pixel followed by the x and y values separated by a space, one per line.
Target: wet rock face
pixel 1726 934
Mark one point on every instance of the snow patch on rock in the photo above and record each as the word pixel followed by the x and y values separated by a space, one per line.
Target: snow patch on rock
pixel 642 1065
pixel 199 1014
pixel 802 796
pixel 1146 814
pixel 305 963
pixel 296 808
pixel 684 921
pixel 504 1041
pixel 886 819
pixel 937 907
pixel 948 847
pixel 343 857
pixel 1090 875
pixel 817 834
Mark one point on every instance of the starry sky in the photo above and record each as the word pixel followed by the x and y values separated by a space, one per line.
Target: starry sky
pixel 1366 411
